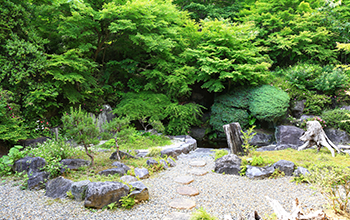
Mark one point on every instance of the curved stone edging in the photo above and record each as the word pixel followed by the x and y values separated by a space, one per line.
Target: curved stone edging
pixel 189 145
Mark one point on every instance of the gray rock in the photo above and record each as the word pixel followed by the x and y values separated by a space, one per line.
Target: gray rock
pixel 277 147
pixel 337 136
pixel 164 163
pixel 285 166
pixel 27 163
pixel 152 162
pixel 104 117
pixel 112 171
pixel 228 164
pixel 139 191
pixel 289 135
pixel 345 107
pixel 189 145
pixel 171 162
pixel 73 164
pixel 100 194
pixel 261 139
pixel 198 133
pixel 121 165
pixel 37 180
pixel 301 171
pixel 141 173
pixel 78 189
pixel 254 172
pixel 128 179
pixel 58 187
pixel 298 108
pixel 122 155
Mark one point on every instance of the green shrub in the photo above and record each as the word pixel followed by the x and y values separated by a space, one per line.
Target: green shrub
pixel 246 137
pixel 7 161
pixel 202 214
pixel 315 104
pixel 154 151
pixel 268 103
pixel 337 118
pixel 331 80
pixel 220 153
pixel 302 76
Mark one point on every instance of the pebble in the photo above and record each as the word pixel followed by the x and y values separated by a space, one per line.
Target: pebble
pixel 220 195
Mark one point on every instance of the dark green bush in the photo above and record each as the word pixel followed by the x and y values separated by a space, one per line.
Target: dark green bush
pixel 337 118
pixel 315 104
pixel 331 80
pixel 268 103
pixel 302 76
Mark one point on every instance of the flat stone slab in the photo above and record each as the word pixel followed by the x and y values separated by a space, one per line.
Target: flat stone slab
pixel 184 179
pixel 198 172
pixel 187 191
pixel 198 163
pixel 182 204
pixel 177 216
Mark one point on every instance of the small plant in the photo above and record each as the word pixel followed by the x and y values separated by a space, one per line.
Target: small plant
pixel 154 151
pixel 7 161
pixel 337 118
pixel 127 201
pixel 220 153
pixel 69 194
pixel 334 184
pixel 82 128
pixel 202 214
pixel 277 174
pixel 247 136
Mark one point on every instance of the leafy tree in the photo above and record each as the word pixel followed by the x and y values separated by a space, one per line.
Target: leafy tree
pixel 81 127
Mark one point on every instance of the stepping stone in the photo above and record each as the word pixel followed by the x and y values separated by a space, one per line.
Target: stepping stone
pixel 198 172
pixel 198 163
pixel 178 216
pixel 182 204
pixel 187 191
pixel 184 179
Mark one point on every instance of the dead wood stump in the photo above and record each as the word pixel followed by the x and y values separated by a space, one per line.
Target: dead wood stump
pixel 233 137
pixel 316 136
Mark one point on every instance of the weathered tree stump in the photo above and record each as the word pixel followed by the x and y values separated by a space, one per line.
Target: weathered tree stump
pixel 316 136
pixel 297 212
pixel 233 137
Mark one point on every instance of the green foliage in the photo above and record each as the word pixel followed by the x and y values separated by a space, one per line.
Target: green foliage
pixel 53 152
pixel 277 174
pixel 81 127
pixel 69 194
pixel 151 108
pixel 127 201
pixel 268 103
pixel 315 104
pixel 334 184
pixel 246 137
pixel 11 125
pixel 219 153
pixel 337 118
pixel 202 214
pixel 331 80
pixel 302 76
pixel 7 161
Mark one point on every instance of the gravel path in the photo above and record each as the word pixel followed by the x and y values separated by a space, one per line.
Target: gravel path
pixel 219 194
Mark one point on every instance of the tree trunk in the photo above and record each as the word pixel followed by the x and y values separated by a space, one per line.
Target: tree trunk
pixel 90 155
pixel 233 137
pixel 316 136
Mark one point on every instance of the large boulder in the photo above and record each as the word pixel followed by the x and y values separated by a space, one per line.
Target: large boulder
pixel 289 135
pixel 105 116
pixel 141 173
pixel 58 187
pixel 128 179
pixel 73 164
pixel 100 194
pixel 78 189
pixel 112 171
pixel 285 166
pixel 254 172
pixel 261 139
pixel 298 108
pixel 37 180
pixel 337 136
pixel 139 191
pixel 29 163
pixel 228 164
pixel 198 133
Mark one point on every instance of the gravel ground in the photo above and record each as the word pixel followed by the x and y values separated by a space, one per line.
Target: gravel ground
pixel 219 194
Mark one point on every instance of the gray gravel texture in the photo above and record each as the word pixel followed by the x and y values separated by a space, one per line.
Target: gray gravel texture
pixel 219 194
